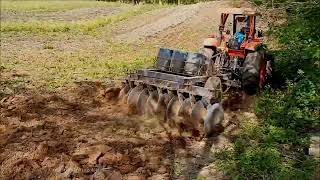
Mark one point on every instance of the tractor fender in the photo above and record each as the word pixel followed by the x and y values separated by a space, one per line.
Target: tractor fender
pixel 210 42
pixel 251 45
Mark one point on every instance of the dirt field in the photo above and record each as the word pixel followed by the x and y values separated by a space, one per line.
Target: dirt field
pixel 56 121
pixel 77 132
pixel 70 15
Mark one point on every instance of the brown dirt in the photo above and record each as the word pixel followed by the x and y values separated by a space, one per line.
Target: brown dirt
pixel 72 133
pixel 168 18
pixel 81 132
pixel 70 15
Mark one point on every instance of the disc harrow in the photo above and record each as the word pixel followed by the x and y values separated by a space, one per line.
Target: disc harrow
pixel 183 108
pixel 178 90
pixel 180 110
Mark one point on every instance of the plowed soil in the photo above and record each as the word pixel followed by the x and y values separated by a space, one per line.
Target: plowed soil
pixel 81 132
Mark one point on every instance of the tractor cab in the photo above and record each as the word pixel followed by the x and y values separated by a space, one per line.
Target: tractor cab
pixel 238 38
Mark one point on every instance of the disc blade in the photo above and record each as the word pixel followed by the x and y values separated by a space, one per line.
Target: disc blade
pixel 213 119
pixel 124 91
pixel 186 108
pixel 173 111
pixel 152 102
pixel 142 100
pixel 162 104
pixel 198 113
pixel 133 97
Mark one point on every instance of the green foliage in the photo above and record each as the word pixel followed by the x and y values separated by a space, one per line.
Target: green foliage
pixel 276 148
pixel 300 47
pixel 296 108
pixel 272 153
pixel 273 3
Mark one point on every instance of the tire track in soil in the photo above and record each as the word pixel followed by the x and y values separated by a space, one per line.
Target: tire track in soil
pixel 165 20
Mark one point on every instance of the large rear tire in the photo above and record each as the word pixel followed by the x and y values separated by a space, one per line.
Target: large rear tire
pixel 252 68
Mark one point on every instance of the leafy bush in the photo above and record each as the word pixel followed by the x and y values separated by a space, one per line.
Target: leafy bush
pixel 297 108
pixel 299 40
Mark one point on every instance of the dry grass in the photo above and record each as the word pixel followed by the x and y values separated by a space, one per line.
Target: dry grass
pixel 50 68
pixel 52 54
pixel 77 26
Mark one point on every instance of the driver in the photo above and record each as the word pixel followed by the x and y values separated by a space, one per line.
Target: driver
pixel 239 36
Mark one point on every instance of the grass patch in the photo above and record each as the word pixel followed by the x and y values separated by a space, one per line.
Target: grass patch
pixel 51 6
pixel 78 26
pixel 48 46
pixel 10 85
pixel 63 68
pixel 63 73
pixel 275 148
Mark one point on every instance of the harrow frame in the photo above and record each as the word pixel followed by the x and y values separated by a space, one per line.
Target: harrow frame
pixel 176 83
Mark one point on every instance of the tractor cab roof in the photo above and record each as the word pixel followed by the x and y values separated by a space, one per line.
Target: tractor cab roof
pixel 240 11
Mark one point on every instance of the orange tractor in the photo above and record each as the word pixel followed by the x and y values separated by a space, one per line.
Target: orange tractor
pixel 239 60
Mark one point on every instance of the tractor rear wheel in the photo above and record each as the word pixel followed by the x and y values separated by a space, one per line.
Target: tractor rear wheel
pixel 252 69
